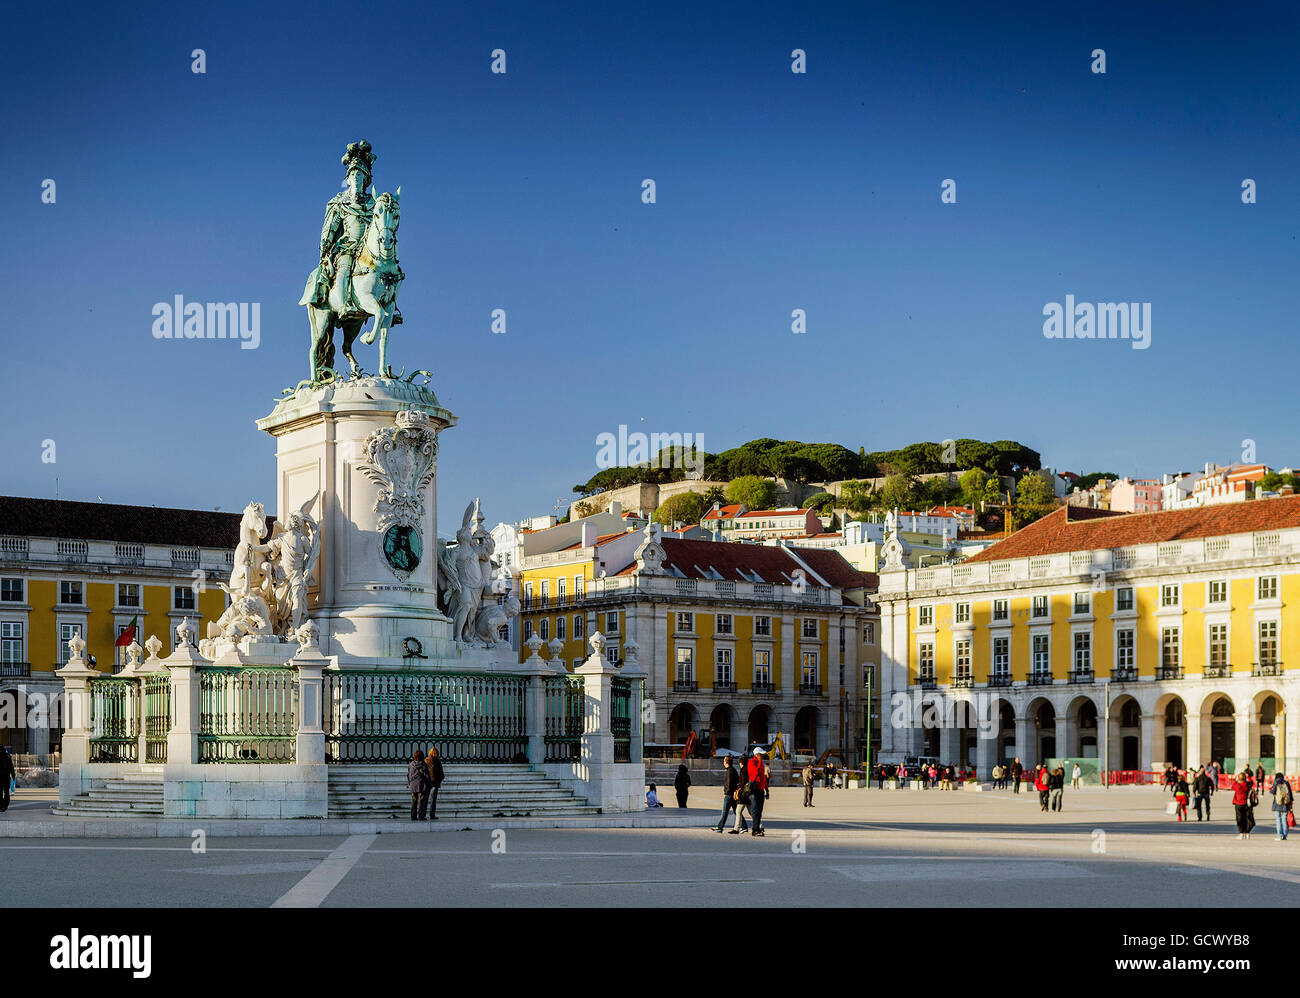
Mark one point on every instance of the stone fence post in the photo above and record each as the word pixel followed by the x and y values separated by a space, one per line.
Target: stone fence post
pixel 76 719
pixel 183 737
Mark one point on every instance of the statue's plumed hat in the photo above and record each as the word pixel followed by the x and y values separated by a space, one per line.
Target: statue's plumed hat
pixel 359 157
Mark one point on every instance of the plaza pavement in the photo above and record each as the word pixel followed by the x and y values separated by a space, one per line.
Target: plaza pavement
pixel 870 848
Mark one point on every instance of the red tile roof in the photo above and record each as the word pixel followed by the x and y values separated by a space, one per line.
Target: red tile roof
pixel 831 566
pixel 1078 528
pixel 774 512
pixel 726 512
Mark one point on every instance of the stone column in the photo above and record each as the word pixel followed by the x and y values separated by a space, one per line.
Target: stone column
pixel 1146 753
pixel 1192 742
pixel 986 747
pixel 1063 747
pixel 76 720
pixel 1245 728
pixel 1026 750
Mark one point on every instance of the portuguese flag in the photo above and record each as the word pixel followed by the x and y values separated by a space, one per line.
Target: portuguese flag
pixel 127 636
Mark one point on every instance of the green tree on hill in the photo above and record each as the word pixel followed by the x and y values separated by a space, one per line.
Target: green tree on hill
pixel 753 492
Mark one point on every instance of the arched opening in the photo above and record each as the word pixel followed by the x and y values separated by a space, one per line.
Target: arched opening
pixel 720 722
pixel 759 723
pixel 805 730
pixel 14 735
pixel 1174 722
pixel 1044 718
pixel 1130 733
pixel 1006 732
pixel 930 732
pixel 1269 714
pixel 681 722
pixel 1223 733
pixel 1085 728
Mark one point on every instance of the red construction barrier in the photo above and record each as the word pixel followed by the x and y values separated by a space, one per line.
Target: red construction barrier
pixel 1132 777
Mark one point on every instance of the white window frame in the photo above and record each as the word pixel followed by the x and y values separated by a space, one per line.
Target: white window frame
pixel 685 622
pixel 1040 601
pixel 723 623
pixel 805 628
pixel 961 612
pixel 925 616
pixel 1001 609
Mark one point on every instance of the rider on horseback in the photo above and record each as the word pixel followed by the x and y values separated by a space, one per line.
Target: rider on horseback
pixel 346 217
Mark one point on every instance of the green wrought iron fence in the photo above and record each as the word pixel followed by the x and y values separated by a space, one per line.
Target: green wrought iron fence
pixel 157 715
pixel 564 701
pixel 248 715
pixel 114 720
pixel 620 719
pixel 379 716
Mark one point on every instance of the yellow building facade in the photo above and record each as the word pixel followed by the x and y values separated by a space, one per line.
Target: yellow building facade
pixel 1130 640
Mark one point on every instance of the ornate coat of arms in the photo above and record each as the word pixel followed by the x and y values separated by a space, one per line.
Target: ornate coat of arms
pixel 402 460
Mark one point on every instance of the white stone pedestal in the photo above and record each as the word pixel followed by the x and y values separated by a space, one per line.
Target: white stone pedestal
pixel 367 449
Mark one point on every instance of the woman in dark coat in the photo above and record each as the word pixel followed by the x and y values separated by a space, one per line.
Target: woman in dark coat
pixel 436 776
pixel 417 781
pixel 682 783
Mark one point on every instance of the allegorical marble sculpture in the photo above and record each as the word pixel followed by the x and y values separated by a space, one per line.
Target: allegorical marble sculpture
pixel 358 276
pixel 269 580
pixel 469 583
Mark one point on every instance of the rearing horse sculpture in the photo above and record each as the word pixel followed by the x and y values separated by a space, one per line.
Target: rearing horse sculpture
pixel 376 278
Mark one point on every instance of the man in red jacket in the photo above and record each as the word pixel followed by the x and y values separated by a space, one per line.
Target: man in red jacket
pixel 757 773
pixel 1040 784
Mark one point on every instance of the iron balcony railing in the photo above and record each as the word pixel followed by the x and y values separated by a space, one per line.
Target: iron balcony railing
pixel 1125 674
pixel 15 670
pixel 384 716
pixel 928 683
pixel 1081 676
pixel 761 689
pixel 1267 669
pixel 963 682
pixel 1040 679
pixel 1169 672
pixel 1217 671
pixel 685 686
pixel 1000 679
pixel 724 686
pixel 810 689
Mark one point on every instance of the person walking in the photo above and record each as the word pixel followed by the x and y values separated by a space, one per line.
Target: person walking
pixel 1017 771
pixel 436 776
pixel 1282 800
pixel 6 777
pixel 1041 785
pixel 1181 793
pixel 1241 793
pixel 1074 778
pixel 1056 783
pixel 1201 793
pixel 1259 775
pixel 730 784
pixel 809 778
pixel 682 784
pixel 758 779
pixel 418 782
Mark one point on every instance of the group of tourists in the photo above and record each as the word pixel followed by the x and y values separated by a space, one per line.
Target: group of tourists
pixel 424 775
pixel 929 775
pixel 745 790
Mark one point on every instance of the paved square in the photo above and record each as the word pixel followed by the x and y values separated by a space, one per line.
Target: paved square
pixel 1113 848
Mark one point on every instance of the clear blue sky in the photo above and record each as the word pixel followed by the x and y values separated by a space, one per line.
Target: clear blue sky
pixel 776 191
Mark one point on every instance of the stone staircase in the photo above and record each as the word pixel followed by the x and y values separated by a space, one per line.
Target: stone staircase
pixel 469 792
pixel 139 795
